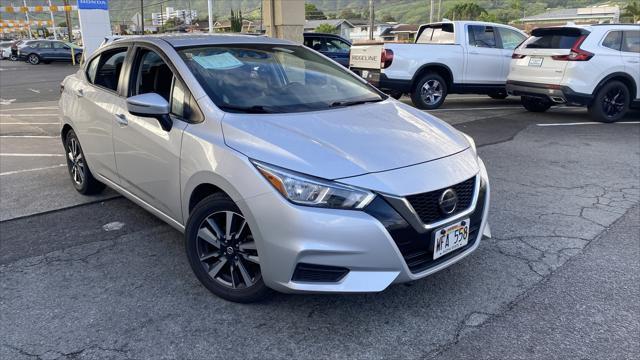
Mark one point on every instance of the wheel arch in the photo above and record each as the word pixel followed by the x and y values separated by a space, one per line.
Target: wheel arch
pixel 64 131
pixel 439 68
pixel 203 184
pixel 622 77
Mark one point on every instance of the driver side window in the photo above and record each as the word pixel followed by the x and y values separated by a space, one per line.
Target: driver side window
pixel 482 36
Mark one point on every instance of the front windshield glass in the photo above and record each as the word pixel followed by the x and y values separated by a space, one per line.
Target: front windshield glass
pixel 268 78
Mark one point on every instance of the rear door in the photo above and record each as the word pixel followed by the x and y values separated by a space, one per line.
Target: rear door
pixel 509 41
pixel 484 56
pixel 630 51
pixel 536 56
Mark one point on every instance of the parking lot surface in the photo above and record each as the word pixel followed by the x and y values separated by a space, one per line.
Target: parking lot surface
pixel 98 277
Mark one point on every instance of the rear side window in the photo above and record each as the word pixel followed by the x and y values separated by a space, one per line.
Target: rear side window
pixel 613 40
pixel 441 34
pixel 109 68
pixel 631 41
pixel 482 36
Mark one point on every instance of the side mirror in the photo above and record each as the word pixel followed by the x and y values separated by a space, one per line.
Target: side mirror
pixel 151 105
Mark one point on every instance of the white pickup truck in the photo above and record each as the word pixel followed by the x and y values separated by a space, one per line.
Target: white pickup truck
pixel 447 57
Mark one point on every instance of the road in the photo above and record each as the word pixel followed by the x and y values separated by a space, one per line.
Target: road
pixel 98 277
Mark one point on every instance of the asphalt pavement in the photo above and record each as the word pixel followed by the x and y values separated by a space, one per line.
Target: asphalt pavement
pixel 98 277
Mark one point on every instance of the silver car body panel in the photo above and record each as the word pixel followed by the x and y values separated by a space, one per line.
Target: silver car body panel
pixel 386 147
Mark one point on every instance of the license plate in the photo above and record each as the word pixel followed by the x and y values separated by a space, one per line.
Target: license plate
pixel 535 61
pixel 365 74
pixel 450 238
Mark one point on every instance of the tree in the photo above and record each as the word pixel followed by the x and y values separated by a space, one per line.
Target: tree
pixel 326 28
pixel 632 10
pixel 465 11
pixel 349 14
pixel 236 21
pixel 311 12
pixel 387 18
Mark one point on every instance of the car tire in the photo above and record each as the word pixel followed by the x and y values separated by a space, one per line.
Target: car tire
pixel 33 59
pixel 13 57
pixel 610 103
pixel 221 251
pixel 535 104
pixel 498 95
pixel 81 176
pixel 429 92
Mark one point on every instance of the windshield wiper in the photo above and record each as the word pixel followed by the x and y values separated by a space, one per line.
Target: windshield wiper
pixel 353 102
pixel 254 109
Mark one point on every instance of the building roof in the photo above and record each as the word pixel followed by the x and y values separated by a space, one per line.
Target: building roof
pixel 312 24
pixel 596 12
pixel 400 28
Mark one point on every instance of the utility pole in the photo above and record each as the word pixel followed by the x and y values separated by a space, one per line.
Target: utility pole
pixel 142 17
pixel 161 18
pixel 53 22
pixel 431 11
pixel 68 19
pixel 26 15
pixel 210 8
pixel 439 8
pixel 371 19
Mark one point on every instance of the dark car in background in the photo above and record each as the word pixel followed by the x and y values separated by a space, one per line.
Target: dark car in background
pixel 47 51
pixel 330 45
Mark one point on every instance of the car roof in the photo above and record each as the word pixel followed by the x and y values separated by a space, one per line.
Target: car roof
pixel 188 40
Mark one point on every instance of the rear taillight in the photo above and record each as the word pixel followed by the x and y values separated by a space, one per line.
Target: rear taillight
pixel 576 53
pixel 386 58
pixel 517 56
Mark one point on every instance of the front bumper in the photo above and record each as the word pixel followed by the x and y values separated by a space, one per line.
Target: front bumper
pixel 376 247
pixel 557 94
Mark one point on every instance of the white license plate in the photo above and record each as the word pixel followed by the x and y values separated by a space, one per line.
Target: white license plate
pixel 535 61
pixel 450 238
pixel 365 74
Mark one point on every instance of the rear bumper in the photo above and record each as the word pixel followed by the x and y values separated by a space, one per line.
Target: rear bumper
pixel 557 94
pixel 382 82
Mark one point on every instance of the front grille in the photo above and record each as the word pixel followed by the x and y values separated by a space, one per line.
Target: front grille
pixel 318 273
pixel 427 205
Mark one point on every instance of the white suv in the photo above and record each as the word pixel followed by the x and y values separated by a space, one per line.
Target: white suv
pixel 596 66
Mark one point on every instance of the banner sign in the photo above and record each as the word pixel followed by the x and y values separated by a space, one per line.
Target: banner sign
pixel 93 5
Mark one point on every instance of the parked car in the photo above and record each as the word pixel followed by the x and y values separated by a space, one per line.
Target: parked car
pixel 5 49
pixel 330 45
pixel 284 170
pixel 16 46
pixel 47 51
pixel 447 57
pixel 596 66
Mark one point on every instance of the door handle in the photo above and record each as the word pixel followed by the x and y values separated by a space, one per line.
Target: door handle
pixel 633 61
pixel 474 52
pixel 122 119
pixel 79 93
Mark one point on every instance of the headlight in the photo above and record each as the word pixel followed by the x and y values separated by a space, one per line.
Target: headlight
pixel 306 190
pixel 471 142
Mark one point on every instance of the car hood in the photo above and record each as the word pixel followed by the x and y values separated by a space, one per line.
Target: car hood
pixel 343 142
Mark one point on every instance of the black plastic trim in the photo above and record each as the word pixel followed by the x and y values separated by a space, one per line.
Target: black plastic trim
pixel 318 273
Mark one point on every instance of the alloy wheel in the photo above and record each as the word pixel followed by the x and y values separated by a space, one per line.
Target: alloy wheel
pixel 33 59
pixel 76 161
pixel 431 92
pixel 613 102
pixel 227 250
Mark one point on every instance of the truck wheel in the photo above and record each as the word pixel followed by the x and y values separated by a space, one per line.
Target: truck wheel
pixel 430 92
pixel 610 103
pixel 535 104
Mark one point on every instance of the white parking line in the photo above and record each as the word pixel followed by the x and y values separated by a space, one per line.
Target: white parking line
pixel 483 108
pixel 30 155
pixel 28 115
pixel 28 170
pixel 29 136
pixel 588 123
pixel 28 123
pixel 32 108
pixel 34 90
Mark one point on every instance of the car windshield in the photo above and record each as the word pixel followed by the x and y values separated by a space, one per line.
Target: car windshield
pixel 269 78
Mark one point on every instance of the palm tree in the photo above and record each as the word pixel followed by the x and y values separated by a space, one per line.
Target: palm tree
pixel 633 10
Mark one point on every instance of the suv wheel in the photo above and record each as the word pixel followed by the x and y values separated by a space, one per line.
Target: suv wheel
pixel 13 57
pixel 222 251
pixel 535 104
pixel 610 103
pixel 33 59
pixel 430 92
pixel 81 176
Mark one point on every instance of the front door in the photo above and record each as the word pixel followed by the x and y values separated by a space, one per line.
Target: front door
pixel 147 156
pixel 630 51
pixel 484 56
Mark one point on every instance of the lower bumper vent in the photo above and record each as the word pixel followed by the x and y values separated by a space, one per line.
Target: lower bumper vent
pixel 318 273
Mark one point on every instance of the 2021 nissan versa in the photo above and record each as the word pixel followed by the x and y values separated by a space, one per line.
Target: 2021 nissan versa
pixel 284 170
